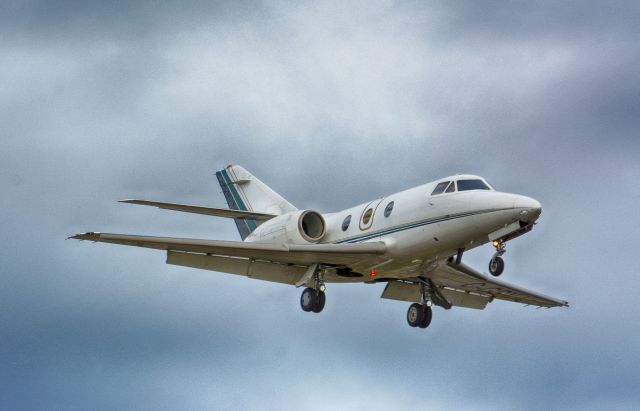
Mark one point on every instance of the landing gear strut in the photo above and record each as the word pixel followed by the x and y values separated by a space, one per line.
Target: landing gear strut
pixel 496 264
pixel 419 315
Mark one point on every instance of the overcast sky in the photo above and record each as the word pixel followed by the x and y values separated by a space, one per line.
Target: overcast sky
pixel 331 104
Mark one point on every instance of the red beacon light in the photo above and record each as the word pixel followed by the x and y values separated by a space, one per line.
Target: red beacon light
pixel 373 273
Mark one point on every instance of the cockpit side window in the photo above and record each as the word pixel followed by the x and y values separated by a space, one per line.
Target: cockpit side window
pixel 490 185
pixel 451 188
pixel 440 188
pixel 465 185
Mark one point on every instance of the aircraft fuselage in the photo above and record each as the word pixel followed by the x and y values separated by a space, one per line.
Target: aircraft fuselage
pixel 424 228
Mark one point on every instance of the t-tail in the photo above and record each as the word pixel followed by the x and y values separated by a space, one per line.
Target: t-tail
pixel 244 192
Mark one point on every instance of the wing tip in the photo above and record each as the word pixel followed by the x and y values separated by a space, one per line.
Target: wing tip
pixel 558 303
pixel 89 235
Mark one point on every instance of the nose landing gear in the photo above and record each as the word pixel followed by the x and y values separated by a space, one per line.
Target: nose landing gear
pixel 496 264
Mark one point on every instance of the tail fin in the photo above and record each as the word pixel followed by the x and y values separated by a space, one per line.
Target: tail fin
pixel 245 192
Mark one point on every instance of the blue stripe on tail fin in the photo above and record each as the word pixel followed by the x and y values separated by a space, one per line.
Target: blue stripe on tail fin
pixel 244 192
pixel 245 226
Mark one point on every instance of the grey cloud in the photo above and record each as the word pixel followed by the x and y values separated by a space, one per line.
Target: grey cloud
pixel 495 20
pixel 147 21
pixel 331 105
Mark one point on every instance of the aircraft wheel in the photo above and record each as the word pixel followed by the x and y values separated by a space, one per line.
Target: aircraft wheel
pixel 309 299
pixel 415 314
pixel 427 315
pixel 320 304
pixel 496 266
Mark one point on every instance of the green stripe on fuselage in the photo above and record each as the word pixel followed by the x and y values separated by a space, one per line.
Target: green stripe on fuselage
pixel 408 226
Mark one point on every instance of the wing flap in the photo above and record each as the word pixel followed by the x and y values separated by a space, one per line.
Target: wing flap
pixel 260 270
pixel 304 254
pixel 410 291
pixel 462 278
pixel 217 212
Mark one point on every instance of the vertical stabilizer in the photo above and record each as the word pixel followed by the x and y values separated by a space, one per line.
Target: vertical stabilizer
pixel 245 192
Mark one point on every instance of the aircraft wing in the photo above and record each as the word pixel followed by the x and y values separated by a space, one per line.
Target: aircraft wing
pixel 460 280
pixel 218 212
pixel 305 254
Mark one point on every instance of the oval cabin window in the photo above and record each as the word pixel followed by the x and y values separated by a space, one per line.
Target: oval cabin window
pixel 346 222
pixel 388 209
pixel 366 217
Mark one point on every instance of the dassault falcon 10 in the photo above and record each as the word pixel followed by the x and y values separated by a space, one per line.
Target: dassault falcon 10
pixel 413 241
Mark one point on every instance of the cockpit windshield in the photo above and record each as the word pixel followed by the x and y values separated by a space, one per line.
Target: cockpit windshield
pixel 451 188
pixel 466 185
pixel 440 188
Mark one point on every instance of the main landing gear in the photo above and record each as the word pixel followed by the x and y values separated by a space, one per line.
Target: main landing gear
pixel 496 264
pixel 420 314
pixel 312 299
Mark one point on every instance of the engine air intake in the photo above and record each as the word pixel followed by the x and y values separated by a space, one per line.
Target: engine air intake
pixel 312 226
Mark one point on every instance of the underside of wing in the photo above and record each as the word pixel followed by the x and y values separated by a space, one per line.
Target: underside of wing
pixel 459 285
pixel 217 212
pixel 460 280
pixel 306 254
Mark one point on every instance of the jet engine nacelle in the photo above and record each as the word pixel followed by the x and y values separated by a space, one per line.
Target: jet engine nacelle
pixel 298 227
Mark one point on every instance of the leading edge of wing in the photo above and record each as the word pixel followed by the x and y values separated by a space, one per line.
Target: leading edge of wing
pixel 217 212
pixel 509 288
pixel 280 252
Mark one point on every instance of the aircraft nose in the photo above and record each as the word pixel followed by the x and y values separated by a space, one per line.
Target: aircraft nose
pixel 529 208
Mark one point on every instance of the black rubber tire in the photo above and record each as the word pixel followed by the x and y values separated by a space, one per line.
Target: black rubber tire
pixel 415 314
pixel 308 299
pixel 496 266
pixel 427 315
pixel 322 298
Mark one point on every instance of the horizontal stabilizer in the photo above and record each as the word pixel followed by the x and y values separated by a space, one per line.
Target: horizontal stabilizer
pixel 218 212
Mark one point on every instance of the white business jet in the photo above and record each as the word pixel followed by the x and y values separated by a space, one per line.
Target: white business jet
pixel 413 241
